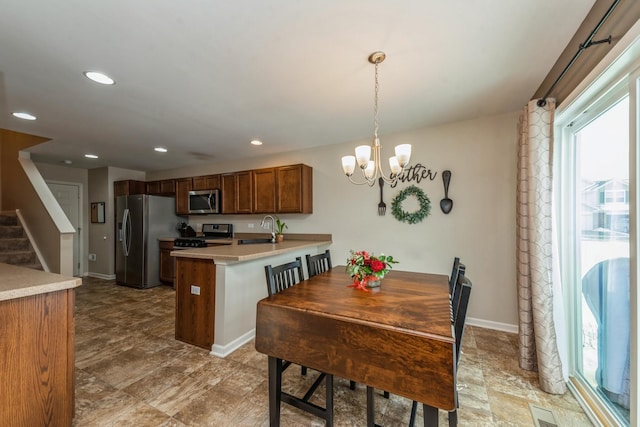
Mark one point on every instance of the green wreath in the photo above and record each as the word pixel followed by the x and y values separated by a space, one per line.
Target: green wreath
pixel 413 217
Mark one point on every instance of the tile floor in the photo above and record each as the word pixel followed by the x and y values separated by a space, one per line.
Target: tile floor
pixel 130 371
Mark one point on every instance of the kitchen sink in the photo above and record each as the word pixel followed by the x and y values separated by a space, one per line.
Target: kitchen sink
pixel 253 241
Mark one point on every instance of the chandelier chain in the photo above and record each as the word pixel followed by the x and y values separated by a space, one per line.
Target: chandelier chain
pixel 375 104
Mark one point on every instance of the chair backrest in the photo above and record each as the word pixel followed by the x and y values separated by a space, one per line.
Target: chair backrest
pixel 320 263
pixel 283 276
pixel 454 274
pixel 454 296
pixel 461 313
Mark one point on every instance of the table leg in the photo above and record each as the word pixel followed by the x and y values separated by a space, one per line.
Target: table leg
pixel 371 413
pixel 275 390
pixel 430 414
pixel 329 400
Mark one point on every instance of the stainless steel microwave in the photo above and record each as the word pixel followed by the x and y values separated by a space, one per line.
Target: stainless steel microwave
pixel 204 202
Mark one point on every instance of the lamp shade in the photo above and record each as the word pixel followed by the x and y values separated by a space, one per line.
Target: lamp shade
pixel 403 153
pixel 369 171
pixel 363 155
pixel 395 166
pixel 348 164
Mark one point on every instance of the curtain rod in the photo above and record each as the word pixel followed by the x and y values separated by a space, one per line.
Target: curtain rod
pixel 587 44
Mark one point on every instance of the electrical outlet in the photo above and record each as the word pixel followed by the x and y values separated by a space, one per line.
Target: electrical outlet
pixel 92 257
pixel 251 225
pixel 195 290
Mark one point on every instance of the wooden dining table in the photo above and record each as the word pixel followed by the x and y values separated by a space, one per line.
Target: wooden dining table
pixel 397 338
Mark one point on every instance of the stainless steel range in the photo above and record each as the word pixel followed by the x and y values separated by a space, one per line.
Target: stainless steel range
pixel 217 231
pixel 209 231
pixel 189 242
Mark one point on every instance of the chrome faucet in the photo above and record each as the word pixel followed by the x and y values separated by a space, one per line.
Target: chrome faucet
pixel 273 226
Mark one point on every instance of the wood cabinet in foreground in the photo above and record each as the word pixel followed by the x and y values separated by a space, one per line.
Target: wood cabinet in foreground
pixel 37 360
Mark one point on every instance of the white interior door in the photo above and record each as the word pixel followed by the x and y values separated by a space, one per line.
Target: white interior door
pixel 68 196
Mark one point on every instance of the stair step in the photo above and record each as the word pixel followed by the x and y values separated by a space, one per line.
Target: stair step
pixel 18 257
pixel 15 244
pixel 11 232
pixel 8 218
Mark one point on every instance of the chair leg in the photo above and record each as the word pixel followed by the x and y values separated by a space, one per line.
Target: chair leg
pixel 453 418
pixel 386 394
pixel 352 385
pixel 414 408
pixel 303 370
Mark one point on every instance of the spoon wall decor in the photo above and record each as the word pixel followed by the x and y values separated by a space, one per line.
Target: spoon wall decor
pixel 446 204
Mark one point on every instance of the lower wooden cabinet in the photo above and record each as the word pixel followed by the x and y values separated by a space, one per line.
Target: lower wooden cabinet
pixel 167 263
pixel 37 360
pixel 195 301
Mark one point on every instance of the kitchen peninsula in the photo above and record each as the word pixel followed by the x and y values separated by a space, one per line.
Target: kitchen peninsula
pixel 217 288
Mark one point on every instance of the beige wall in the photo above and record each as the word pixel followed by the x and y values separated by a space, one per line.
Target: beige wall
pixel 11 174
pixel 100 235
pixel 481 155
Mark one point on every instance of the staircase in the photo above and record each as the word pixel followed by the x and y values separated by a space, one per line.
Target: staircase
pixel 15 247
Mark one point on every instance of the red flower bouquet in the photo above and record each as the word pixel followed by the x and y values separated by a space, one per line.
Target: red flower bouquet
pixel 364 267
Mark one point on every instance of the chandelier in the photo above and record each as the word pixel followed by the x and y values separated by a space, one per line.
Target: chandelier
pixel 371 168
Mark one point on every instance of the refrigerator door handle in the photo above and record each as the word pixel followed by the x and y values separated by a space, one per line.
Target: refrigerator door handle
pixel 126 232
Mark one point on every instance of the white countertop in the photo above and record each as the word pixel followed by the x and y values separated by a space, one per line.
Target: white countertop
pixel 18 282
pixel 235 252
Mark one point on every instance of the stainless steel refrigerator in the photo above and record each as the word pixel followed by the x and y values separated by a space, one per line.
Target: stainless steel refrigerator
pixel 140 220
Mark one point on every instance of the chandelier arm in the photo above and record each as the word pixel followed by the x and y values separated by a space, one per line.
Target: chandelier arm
pixel 366 181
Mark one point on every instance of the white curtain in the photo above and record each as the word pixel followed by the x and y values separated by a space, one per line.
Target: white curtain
pixel 537 320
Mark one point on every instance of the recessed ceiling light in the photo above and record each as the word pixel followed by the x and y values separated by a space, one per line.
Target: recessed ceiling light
pixel 160 149
pixel 67 162
pixel 99 78
pixel 256 142
pixel 24 116
pixel 91 156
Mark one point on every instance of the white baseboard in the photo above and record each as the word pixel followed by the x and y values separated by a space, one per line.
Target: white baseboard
pixel 488 324
pixel 225 350
pixel 101 276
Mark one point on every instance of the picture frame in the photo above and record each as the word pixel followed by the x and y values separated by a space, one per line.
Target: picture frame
pixel 97 212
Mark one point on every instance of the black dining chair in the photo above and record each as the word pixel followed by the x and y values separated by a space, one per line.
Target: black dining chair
pixel 320 263
pixel 454 274
pixel 282 277
pixel 460 311
pixel 279 278
pixel 455 291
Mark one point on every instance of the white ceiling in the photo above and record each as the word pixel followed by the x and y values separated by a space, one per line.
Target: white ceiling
pixel 203 78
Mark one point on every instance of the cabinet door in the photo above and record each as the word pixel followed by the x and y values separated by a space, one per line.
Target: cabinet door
pixel 121 188
pixel 153 187
pixel 244 191
pixel 166 262
pixel 208 182
pixel 228 186
pixel 195 301
pixel 264 190
pixel 294 189
pixel 168 187
pixel 183 186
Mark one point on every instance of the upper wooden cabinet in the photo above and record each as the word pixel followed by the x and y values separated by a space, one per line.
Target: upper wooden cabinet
pixel 264 190
pixel 294 189
pixel 165 187
pixel 237 192
pixel 208 182
pixel 183 186
pixel 283 189
pixel 128 187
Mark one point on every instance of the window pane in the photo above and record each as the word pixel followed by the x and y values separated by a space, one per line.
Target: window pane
pixel 602 149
